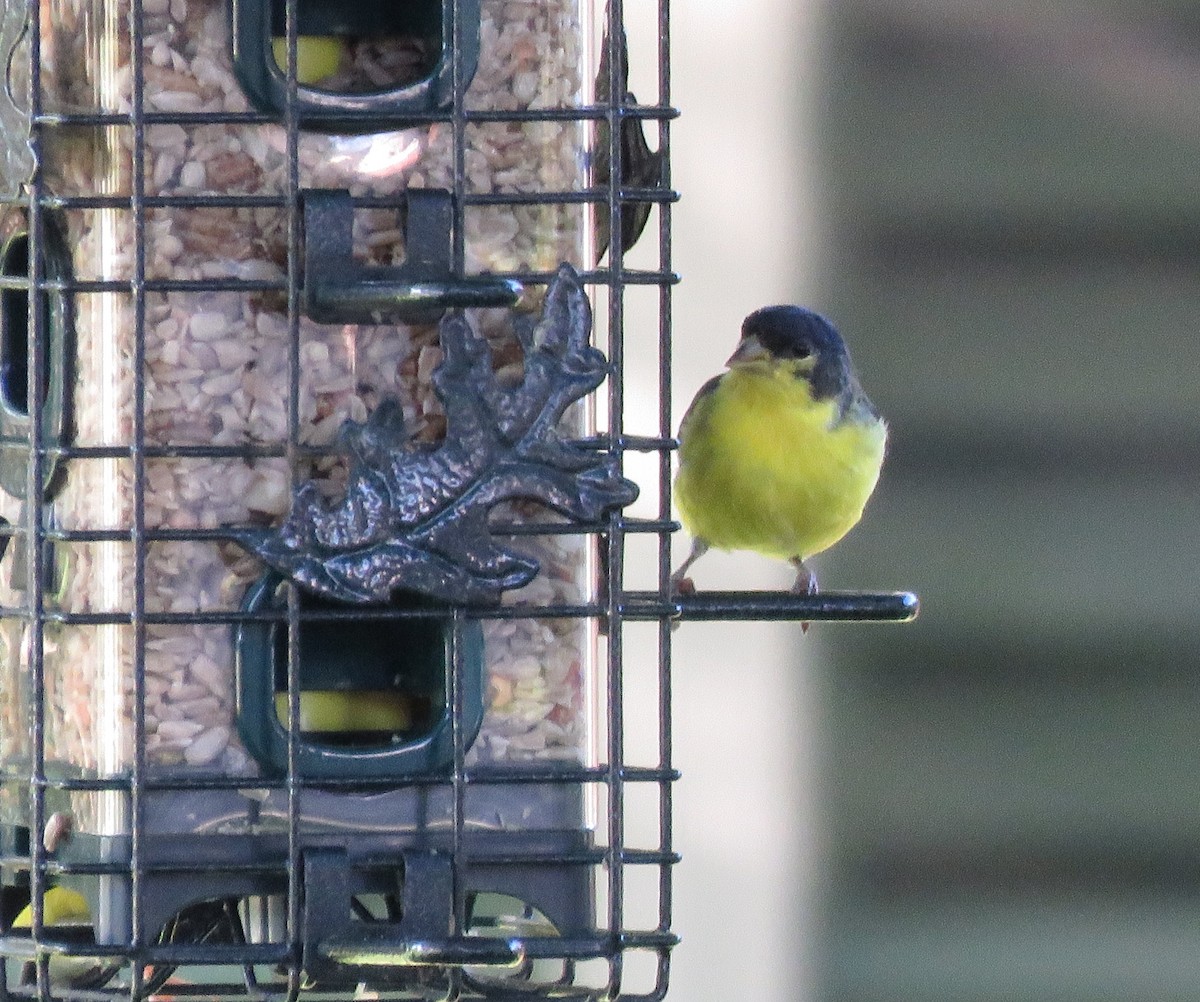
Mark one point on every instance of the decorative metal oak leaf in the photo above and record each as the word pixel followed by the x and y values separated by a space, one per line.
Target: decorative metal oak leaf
pixel 17 162
pixel 640 167
pixel 414 516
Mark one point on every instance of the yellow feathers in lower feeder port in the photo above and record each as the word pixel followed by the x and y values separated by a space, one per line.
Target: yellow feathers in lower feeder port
pixel 345 711
pixel 317 56
pixel 779 454
pixel 60 906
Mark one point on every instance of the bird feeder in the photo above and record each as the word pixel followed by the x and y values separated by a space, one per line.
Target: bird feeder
pixel 310 595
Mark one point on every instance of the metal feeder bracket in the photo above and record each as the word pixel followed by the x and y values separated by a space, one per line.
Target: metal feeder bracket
pixel 337 289
pixel 552 870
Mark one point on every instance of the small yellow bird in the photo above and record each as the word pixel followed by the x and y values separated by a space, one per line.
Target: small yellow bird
pixel 780 453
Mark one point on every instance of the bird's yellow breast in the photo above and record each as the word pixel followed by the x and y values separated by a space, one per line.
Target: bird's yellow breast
pixel 763 466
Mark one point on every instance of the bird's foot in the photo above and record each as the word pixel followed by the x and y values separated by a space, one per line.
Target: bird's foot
pixel 806 580
pixel 682 585
pixel 806 584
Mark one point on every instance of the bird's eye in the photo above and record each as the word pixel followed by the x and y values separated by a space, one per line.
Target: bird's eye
pixel 803 350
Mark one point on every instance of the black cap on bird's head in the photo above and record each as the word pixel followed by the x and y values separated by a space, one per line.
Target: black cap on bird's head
pixel 806 339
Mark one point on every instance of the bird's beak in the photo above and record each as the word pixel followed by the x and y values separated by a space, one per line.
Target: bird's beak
pixel 750 349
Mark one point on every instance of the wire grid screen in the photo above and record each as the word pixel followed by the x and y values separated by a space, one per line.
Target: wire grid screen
pixel 191 868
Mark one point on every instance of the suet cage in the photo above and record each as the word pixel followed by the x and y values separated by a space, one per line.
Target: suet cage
pixel 311 602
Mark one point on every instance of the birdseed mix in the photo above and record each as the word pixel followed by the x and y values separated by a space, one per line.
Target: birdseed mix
pixel 216 369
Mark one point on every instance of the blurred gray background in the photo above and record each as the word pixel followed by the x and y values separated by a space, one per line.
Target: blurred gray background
pixel 997 204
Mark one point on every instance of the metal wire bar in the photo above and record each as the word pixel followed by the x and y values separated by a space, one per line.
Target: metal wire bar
pixel 252 451
pixel 899 607
pixel 212 200
pixel 295 257
pixel 663 444
pixel 140 546
pixel 456 666
pixel 500 527
pixel 480 775
pixel 614 38
pixel 596 276
pixel 582 113
pixel 889 607
pixel 36 354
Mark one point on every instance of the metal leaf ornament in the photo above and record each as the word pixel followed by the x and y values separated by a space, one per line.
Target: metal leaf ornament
pixel 640 167
pixel 414 517
pixel 17 163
